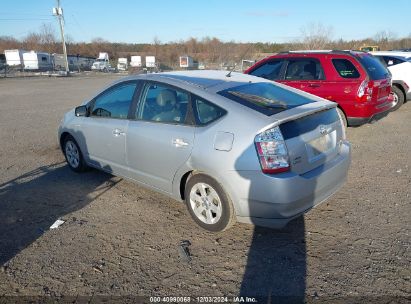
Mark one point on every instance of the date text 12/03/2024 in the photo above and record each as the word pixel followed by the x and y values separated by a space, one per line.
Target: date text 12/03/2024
pixel 203 299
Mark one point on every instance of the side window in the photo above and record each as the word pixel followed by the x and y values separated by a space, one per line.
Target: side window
pixel 115 103
pixel 304 69
pixel 345 68
pixel 390 61
pixel 206 112
pixel 163 104
pixel 269 70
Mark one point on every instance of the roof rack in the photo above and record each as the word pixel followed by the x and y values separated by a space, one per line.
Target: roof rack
pixel 311 51
pixel 321 51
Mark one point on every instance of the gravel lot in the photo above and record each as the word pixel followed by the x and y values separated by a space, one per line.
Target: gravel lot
pixel 121 239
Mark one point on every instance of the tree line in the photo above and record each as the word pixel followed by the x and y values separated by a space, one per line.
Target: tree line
pixel 209 50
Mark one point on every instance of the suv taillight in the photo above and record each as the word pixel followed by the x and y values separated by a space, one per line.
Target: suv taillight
pixel 272 151
pixel 365 91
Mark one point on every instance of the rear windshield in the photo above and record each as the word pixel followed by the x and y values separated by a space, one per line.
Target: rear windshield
pixel 265 97
pixel 345 68
pixel 375 69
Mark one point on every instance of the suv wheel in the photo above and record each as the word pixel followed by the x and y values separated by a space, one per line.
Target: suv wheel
pixel 208 204
pixel 398 98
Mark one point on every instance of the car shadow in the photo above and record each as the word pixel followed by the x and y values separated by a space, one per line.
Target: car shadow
pixel 276 266
pixel 32 202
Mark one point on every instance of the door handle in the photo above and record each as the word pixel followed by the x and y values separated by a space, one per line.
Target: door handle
pixel 314 85
pixel 118 132
pixel 179 142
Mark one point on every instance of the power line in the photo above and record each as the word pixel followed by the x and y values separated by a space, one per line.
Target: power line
pixel 23 19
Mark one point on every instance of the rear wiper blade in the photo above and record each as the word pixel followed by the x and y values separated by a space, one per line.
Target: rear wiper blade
pixel 263 101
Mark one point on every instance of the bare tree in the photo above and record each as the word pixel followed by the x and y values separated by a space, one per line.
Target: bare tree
pixel 47 34
pixel 32 41
pixel 8 42
pixel 385 36
pixel 316 36
pixel 156 46
pixel 385 39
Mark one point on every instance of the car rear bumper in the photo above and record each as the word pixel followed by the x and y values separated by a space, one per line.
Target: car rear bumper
pixel 358 121
pixel 273 201
pixel 369 114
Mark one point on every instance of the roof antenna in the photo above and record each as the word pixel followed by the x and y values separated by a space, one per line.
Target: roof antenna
pixel 232 69
pixel 235 64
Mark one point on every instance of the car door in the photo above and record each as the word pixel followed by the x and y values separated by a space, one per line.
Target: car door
pixel 105 129
pixel 305 74
pixel 160 139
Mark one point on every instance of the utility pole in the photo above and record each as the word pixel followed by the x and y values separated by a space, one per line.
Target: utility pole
pixel 58 12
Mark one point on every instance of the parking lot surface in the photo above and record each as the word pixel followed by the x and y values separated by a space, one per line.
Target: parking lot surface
pixel 122 239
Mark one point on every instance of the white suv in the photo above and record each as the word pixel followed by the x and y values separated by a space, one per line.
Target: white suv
pixel 399 64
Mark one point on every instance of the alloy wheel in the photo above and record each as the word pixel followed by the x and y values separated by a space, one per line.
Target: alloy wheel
pixel 205 203
pixel 72 154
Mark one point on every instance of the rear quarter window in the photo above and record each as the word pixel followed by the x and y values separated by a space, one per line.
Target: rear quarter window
pixel 345 68
pixel 206 112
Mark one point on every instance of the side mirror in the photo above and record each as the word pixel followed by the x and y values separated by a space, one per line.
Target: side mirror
pixel 80 111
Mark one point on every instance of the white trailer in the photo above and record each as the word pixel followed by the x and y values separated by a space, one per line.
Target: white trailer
pixel 122 64
pixel 14 57
pixel 76 62
pixel 85 63
pixel 150 61
pixel 186 62
pixel 37 61
pixel 136 61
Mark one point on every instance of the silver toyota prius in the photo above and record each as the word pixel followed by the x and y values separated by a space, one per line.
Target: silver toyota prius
pixel 234 147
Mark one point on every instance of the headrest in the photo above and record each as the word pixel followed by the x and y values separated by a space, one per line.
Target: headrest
pixel 167 97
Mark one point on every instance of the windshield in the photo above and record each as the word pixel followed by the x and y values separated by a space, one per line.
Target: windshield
pixel 265 97
pixel 375 69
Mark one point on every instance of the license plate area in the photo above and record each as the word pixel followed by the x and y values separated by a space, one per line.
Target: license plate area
pixel 321 146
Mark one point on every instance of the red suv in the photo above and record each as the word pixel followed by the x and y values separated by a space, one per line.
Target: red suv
pixel 357 81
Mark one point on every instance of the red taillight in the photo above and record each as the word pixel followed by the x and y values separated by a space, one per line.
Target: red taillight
pixel 272 151
pixel 365 91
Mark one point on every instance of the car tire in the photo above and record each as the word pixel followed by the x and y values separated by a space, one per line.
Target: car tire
pixel 73 155
pixel 398 97
pixel 208 203
pixel 343 118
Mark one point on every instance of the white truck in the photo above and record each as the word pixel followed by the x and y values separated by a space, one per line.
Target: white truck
pixel 102 63
pixel 122 64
